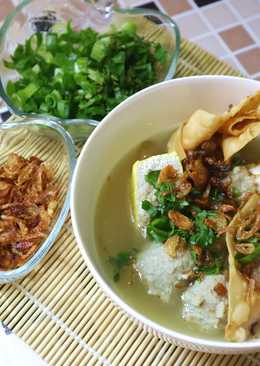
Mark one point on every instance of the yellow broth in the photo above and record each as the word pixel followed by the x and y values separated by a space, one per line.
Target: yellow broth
pixel 115 232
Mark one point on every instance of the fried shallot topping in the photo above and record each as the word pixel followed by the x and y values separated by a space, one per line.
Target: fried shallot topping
pixel 226 208
pixel 250 226
pixel 197 172
pixel 245 248
pixel 28 203
pixel 182 186
pixel 167 175
pixel 220 289
pixel 218 222
pixel 180 220
pixel 174 245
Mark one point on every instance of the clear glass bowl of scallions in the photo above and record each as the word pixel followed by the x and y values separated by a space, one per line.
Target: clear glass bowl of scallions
pixel 76 61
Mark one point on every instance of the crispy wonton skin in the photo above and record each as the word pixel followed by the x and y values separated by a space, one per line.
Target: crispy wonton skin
pixel 237 119
pixel 200 127
pixel 241 125
pixel 232 144
pixel 238 126
pixel 243 297
pixel 175 143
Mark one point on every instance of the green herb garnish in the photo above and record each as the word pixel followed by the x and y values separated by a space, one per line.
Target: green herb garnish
pixel 211 270
pixel 166 200
pixel 250 257
pixel 82 74
pixel 120 261
pixel 152 177
pixel 203 235
pixel 150 209
pixel 160 227
pixel 218 262
pixel 245 259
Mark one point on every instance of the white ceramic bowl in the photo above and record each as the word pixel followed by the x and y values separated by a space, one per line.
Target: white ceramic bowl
pixel 158 108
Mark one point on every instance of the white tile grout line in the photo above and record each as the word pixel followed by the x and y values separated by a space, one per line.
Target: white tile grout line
pixel 45 310
pixel 221 29
pixel 257 41
pixel 241 20
pixel 189 12
pixel 215 33
pixel 244 49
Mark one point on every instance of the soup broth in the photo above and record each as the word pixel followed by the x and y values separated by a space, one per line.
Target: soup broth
pixel 115 232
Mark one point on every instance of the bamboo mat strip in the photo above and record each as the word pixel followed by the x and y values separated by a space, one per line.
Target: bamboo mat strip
pixel 60 311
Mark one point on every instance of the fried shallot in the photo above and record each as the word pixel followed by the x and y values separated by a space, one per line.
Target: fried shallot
pixel 180 220
pixel 28 204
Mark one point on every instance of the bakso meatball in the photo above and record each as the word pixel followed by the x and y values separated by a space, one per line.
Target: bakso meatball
pixel 205 302
pixel 246 179
pixel 160 272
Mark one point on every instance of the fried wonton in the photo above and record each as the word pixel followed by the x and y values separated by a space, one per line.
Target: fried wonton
pixel 200 127
pixel 243 287
pixel 240 116
pixel 232 144
pixel 238 126
pixel 175 143
pixel 241 125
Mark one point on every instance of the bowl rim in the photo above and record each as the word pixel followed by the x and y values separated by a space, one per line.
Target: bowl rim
pixel 164 18
pixel 28 266
pixel 211 345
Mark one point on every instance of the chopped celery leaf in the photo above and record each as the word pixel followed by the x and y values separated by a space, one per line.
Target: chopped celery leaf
pixel 82 74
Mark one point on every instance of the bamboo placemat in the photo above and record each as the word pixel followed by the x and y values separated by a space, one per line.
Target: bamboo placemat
pixel 60 311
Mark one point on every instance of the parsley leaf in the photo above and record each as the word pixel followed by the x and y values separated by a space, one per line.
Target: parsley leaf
pixel 157 234
pixel 211 270
pixel 152 177
pixel 203 235
pixel 150 209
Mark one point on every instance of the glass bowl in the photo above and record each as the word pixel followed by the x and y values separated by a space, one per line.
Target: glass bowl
pixel 51 143
pixel 33 16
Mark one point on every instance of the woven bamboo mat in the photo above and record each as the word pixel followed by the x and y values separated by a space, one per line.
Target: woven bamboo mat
pixel 60 311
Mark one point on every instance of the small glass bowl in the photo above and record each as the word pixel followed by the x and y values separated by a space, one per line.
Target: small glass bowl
pixel 39 16
pixel 51 143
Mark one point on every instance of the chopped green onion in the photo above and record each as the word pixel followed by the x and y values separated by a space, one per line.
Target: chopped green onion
pixel 91 72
